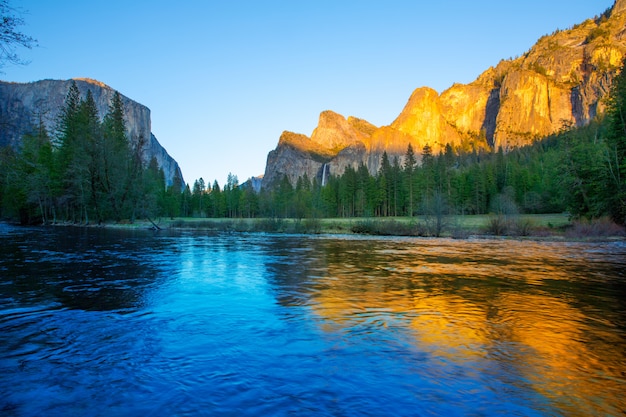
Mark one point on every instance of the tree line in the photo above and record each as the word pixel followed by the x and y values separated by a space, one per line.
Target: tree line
pixel 573 171
pixel 89 171
pixel 580 170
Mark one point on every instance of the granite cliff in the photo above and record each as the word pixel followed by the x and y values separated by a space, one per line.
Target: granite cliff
pixel 23 104
pixel 561 81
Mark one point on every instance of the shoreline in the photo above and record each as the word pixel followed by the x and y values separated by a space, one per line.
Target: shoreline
pixel 549 228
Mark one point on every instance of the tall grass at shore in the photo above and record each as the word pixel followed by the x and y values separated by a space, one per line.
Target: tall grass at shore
pixel 559 226
pixel 451 226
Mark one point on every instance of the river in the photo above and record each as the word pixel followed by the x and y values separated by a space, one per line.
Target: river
pixel 103 322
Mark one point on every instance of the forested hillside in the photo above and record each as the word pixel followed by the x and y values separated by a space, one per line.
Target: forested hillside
pixel 86 171
pixel 560 81
pixel 579 170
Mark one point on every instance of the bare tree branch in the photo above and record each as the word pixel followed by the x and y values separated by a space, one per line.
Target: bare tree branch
pixel 10 37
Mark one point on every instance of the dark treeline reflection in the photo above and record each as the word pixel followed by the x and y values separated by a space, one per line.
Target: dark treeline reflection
pixel 144 323
pixel 88 269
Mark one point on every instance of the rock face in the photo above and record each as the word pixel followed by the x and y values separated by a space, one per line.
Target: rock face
pixel 335 138
pixel 561 81
pixel 23 105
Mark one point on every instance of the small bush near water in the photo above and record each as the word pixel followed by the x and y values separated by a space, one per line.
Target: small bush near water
pixel 388 228
pixel 602 227
pixel 510 226
pixel 498 226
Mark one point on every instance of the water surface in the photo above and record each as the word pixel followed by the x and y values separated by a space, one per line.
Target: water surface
pixel 116 322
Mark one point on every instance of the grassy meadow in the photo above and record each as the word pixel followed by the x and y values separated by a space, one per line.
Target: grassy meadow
pixel 543 226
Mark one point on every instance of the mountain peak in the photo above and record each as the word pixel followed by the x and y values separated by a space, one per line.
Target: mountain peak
pixel 561 81
pixel 92 81
pixel 335 132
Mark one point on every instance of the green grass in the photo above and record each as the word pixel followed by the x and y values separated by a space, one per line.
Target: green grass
pixel 467 222
pixel 481 221
pixel 541 226
pixel 454 226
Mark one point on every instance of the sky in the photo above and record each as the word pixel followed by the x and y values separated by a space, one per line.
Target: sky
pixel 224 79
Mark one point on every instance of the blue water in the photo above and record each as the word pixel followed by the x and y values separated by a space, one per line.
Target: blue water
pixel 136 323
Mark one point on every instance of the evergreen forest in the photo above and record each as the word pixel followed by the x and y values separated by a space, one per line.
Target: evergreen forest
pixel 89 171
pixel 579 170
pixel 86 172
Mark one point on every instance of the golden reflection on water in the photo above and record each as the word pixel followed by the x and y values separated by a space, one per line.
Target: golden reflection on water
pixel 507 302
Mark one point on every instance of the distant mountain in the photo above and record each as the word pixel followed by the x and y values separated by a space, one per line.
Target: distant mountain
pixel 561 81
pixel 22 105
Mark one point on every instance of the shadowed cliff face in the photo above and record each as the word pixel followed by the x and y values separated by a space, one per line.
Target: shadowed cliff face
pixel 561 81
pixel 25 105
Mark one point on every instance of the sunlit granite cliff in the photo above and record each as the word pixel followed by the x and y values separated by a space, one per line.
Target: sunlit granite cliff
pixel 22 105
pixel 561 81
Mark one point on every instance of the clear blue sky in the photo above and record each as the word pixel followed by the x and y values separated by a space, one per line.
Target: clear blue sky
pixel 224 78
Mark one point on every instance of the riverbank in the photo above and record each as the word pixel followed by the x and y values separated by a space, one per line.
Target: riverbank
pixel 530 226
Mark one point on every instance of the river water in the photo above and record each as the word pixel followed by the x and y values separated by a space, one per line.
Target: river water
pixel 100 322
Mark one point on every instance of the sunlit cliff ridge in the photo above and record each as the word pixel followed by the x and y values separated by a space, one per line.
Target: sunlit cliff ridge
pixel 561 81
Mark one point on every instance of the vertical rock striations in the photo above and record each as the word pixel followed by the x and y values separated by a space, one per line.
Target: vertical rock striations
pixel 23 105
pixel 561 81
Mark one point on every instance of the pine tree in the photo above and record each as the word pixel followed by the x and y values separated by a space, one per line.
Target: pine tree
pixel 27 179
pixel 71 170
pixel 86 165
pixel 66 142
pixel 385 184
pixel 396 188
pixel 172 202
pixel 303 197
pixel 249 202
pixel 616 147
pixel 35 174
pixel 409 172
pixel 115 164
pixel 185 202
pixel 284 198
pixel 197 197
pixel 231 195
pixel 66 125
pixel 427 176
pixel 217 202
pixel 136 176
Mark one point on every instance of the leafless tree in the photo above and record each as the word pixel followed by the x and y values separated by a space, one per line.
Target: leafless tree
pixel 10 36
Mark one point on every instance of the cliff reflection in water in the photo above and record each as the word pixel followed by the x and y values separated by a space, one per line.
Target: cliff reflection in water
pixel 121 322
pixel 521 308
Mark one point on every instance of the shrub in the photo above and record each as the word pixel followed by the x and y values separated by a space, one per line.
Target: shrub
pixel 601 227
pixel 362 228
pixel 313 225
pixel 498 225
pixel 270 225
pixel 388 228
pixel 598 32
pixel 524 227
pixel 459 233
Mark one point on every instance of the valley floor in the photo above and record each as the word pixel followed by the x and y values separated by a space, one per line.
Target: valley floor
pixel 529 226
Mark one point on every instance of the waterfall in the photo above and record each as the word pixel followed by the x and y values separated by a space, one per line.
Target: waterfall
pixel 324 174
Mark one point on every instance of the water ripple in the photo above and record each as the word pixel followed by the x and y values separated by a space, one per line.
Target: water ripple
pixel 117 323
